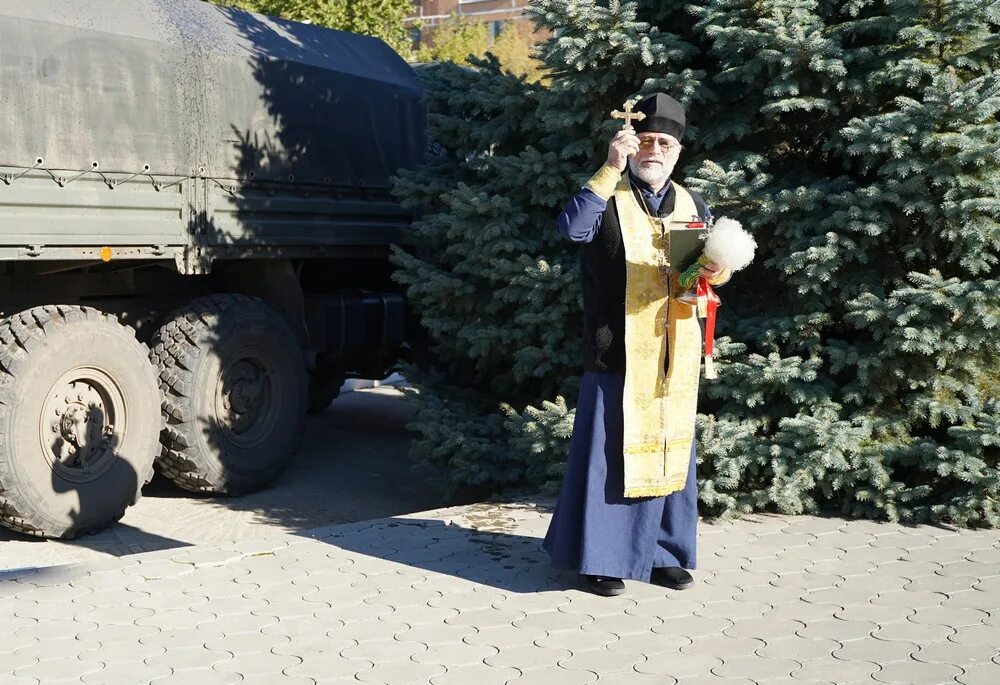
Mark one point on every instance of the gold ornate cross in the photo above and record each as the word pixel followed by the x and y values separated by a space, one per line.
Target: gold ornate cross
pixel 628 115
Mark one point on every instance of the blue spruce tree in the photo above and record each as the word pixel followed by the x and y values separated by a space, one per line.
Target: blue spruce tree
pixel 859 142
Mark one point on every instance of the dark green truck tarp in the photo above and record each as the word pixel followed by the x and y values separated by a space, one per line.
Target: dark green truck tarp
pixel 191 89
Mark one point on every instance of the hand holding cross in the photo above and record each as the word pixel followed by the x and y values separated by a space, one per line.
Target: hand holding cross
pixel 628 115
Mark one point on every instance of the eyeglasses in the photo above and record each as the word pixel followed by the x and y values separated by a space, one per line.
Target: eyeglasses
pixel 646 144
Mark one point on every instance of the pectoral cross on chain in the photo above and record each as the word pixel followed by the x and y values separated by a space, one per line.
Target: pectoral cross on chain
pixel 628 115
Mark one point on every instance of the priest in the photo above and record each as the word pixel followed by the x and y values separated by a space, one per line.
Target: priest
pixel 628 504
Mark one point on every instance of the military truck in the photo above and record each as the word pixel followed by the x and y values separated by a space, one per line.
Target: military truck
pixel 195 220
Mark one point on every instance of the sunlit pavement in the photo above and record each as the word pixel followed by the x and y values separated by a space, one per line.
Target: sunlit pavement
pixel 465 595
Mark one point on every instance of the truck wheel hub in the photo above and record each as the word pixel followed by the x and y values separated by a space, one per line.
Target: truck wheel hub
pixel 77 423
pixel 244 392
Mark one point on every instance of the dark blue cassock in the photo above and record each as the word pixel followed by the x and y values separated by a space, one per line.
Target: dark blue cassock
pixel 594 529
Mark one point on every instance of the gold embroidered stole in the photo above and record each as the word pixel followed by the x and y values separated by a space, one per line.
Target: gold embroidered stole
pixel 659 408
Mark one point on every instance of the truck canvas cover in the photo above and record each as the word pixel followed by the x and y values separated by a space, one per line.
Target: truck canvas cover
pixel 191 89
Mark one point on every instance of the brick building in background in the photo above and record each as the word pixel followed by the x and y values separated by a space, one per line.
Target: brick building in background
pixel 494 13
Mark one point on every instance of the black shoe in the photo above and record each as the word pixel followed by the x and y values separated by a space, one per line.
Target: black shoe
pixel 673 577
pixel 601 585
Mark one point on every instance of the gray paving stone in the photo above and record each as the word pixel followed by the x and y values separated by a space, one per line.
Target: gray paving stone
pixel 722 646
pixel 985 674
pixel 830 669
pixel 678 665
pixel 400 671
pixel 150 568
pixel 11 679
pixel 233 606
pixel 813 553
pixel 758 669
pixel 555 676
pixel 838 630
pixel 843 540
pixel 874 555
pixel 803 611
pixel 455 654
pixel 875 613
pixel 592 605
pixel 479 674
pixel 15 638
pixel 54 594
pixel 798 648
pixel 201 676
pixel 920 633
pixel 985 556
pixel 742 579
pixel 247 643
pixel 622 624
pixel 350 613
pixel 219 589
pixel 907 598
pixel 977 635
pixel 876 651
pixel 528 657
pixel 969 569
pixel 909 672
pixel 485 618
pixel 234 625
pixel 180 638
pixel 989 584
pixel 174 619
pixel 462 601
pixel 748 550
pixel 584 640
pixel 58 647
pixel 781 565
pixel 60 668
pixel 55 628
pixel 258 664
pixel 964 655
pixel 636 678
pixel 328 667
pixel 505 636
pixel 601 661
pixel 189 658
pixel 692 626
pixel 943 584
pixel 647 643
pixel 948 616
pixel 49 611
pixel 551 621
pixel 974 599
pixel 115 615
pixel 114 652
pixel 126 672
pixel 371 629
pixel 735 611
pixel 433 634
pixel 668 606
pixel 765 629
pixel 378 651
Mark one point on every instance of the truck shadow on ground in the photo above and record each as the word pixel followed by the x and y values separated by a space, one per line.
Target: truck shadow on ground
pixel 352 465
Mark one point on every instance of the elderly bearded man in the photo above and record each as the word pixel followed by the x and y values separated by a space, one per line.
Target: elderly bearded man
pixel 633 437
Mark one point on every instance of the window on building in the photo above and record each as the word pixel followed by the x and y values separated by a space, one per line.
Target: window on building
pixel 414 38
pixel 495 29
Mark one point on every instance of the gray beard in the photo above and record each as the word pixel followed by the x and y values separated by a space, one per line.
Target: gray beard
pixel 654 176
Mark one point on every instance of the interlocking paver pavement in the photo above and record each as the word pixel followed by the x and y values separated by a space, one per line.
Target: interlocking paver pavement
pixel 465 596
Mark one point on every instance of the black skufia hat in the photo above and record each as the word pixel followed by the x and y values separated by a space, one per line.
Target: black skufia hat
pixel 663 115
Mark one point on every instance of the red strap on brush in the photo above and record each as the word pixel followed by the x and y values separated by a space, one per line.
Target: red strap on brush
pixel 708 303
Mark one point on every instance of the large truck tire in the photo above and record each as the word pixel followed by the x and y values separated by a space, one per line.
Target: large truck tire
pixel 233 383
pixel 79 420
